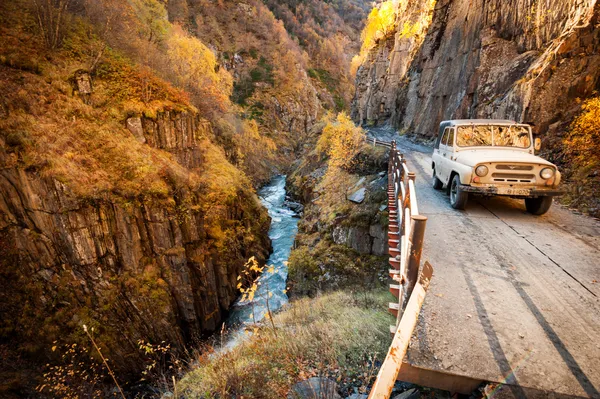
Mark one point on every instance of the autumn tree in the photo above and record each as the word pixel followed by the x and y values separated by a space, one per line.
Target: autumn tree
pixel 341 140
pixel 152 15
pixel 583 141
pixel 51 15
pixel 196 70
pixel 380 24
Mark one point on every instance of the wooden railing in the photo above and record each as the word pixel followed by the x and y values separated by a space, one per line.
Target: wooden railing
pixel 406 231
pixel 375 142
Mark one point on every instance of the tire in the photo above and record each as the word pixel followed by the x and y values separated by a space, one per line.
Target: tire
pixel 458 198
pixel 436 183
pixel 538 206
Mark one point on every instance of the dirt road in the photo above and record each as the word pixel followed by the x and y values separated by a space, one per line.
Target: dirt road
pixel 514 296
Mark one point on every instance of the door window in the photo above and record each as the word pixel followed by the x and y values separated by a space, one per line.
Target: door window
pixel 450 137
pixel 445 136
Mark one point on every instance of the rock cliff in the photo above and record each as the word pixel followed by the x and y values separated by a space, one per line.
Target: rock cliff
pixel 134 268
pixel 525 60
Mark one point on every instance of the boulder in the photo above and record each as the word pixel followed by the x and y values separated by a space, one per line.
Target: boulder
pixel 358 196
pixel 359 240
pixel 134 125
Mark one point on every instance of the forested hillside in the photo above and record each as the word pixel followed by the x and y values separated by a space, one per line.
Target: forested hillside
pixel 132 138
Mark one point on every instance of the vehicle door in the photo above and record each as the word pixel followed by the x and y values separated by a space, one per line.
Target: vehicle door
pixel 449 155
pixel 442 172
pixel 437 155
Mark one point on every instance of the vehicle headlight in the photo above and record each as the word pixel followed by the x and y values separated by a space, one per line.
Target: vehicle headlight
pixel 481 170
pixel 547 173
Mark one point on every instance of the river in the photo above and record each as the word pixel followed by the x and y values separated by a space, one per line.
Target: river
pixel 272 287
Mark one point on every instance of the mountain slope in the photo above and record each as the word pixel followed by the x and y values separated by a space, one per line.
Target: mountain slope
pixel 524 60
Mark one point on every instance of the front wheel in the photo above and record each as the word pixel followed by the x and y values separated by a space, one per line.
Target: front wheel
pixel 458 198
pixel 538 206
pixel 436 183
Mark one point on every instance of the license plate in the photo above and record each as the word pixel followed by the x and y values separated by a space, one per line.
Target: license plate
pixel 514 191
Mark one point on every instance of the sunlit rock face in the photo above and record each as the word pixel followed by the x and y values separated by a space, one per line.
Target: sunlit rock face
pixel 520 59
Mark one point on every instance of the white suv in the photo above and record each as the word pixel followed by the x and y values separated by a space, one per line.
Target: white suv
pixel 493 157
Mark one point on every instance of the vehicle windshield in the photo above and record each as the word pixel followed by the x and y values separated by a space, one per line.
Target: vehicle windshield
pixel 493 135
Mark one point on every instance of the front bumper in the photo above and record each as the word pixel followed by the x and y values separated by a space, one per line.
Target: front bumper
pixel 512 191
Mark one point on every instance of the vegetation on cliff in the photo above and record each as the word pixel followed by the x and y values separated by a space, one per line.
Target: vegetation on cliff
pixel 329 32
pixel 582 146
pixel 337 242
pixel 339 336
pixel 132 135
pixel 381 23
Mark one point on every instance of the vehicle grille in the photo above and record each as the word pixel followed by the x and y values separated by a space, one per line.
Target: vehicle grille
pixel 513 177
pixel 514 167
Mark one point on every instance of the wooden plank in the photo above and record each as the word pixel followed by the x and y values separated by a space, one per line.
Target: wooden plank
pixel 386 378
pixel 414 209
pixel 438 379
pixel 406 224
pixel 406 171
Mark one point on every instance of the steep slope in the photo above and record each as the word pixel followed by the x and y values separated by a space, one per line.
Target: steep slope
pixel 269 69
pixel 132 137
pixel 117 209
pixel 329 31
pixel 522 59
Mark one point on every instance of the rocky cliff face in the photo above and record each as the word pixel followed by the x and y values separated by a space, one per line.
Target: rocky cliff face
pixel 525 60
pixel 152 269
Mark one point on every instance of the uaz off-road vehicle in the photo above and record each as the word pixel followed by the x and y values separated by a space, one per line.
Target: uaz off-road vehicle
pixel 493 157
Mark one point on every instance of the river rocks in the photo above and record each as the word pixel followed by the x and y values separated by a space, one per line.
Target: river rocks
pixel 315 388
pixel 297 207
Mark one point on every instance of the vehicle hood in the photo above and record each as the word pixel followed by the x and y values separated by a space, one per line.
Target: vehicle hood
pixel 474 157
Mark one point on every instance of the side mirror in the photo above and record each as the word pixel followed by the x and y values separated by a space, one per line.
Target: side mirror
pixel 537 144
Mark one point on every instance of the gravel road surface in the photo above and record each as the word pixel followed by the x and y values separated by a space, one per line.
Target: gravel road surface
pixel 514 296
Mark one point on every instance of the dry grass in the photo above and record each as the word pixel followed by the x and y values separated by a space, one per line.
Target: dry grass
pixel 333 335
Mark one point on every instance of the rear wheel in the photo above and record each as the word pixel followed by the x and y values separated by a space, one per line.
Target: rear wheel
pixel 538 206
pixel 436 183
pixel 458 198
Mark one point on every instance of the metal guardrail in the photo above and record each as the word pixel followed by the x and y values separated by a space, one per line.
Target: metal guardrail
pixel 406 231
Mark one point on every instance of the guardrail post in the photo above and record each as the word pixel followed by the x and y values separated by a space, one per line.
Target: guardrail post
pixel 415 248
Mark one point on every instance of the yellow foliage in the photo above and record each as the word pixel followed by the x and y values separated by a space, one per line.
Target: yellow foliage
pixel 255 152
pixel 380 24
pixel 196 69
pixel 341 140
pixel 220 179
pixel 583 142
pixel 153 23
